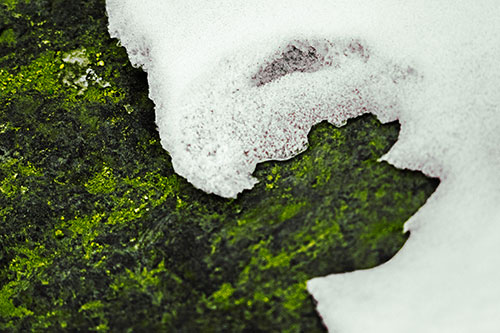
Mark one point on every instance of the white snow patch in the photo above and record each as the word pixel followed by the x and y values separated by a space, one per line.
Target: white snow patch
pixel 238 82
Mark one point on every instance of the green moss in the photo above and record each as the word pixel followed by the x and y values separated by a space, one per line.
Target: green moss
pixel 98 233
pixel 8 38
pixel 103 182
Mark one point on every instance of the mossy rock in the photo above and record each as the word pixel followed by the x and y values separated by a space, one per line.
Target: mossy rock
pixel 97 232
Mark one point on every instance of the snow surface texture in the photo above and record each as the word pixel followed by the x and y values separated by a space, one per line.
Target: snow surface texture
pixel 237 82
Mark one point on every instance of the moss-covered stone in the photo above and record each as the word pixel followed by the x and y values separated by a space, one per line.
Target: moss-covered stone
pixel 98 233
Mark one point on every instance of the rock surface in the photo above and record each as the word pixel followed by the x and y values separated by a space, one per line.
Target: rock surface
pixel 98 233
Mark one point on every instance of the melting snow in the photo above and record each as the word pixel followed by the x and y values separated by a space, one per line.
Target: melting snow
pixel 239 82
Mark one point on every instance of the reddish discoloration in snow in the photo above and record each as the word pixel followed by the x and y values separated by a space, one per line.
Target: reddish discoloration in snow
pixel 227 129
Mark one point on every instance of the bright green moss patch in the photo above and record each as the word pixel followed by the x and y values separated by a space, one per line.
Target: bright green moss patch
pixel 103 182
pixel 97 233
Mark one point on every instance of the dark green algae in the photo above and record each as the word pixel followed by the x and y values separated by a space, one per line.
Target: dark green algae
pixel 97 232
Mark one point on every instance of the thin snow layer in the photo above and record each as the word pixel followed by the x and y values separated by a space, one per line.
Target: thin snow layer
pixel 237 82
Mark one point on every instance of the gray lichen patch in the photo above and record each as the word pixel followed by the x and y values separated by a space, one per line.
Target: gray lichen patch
pixel 79 74
pixel 78 57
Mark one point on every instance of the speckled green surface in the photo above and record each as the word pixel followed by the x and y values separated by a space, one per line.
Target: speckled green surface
pixel 97 233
